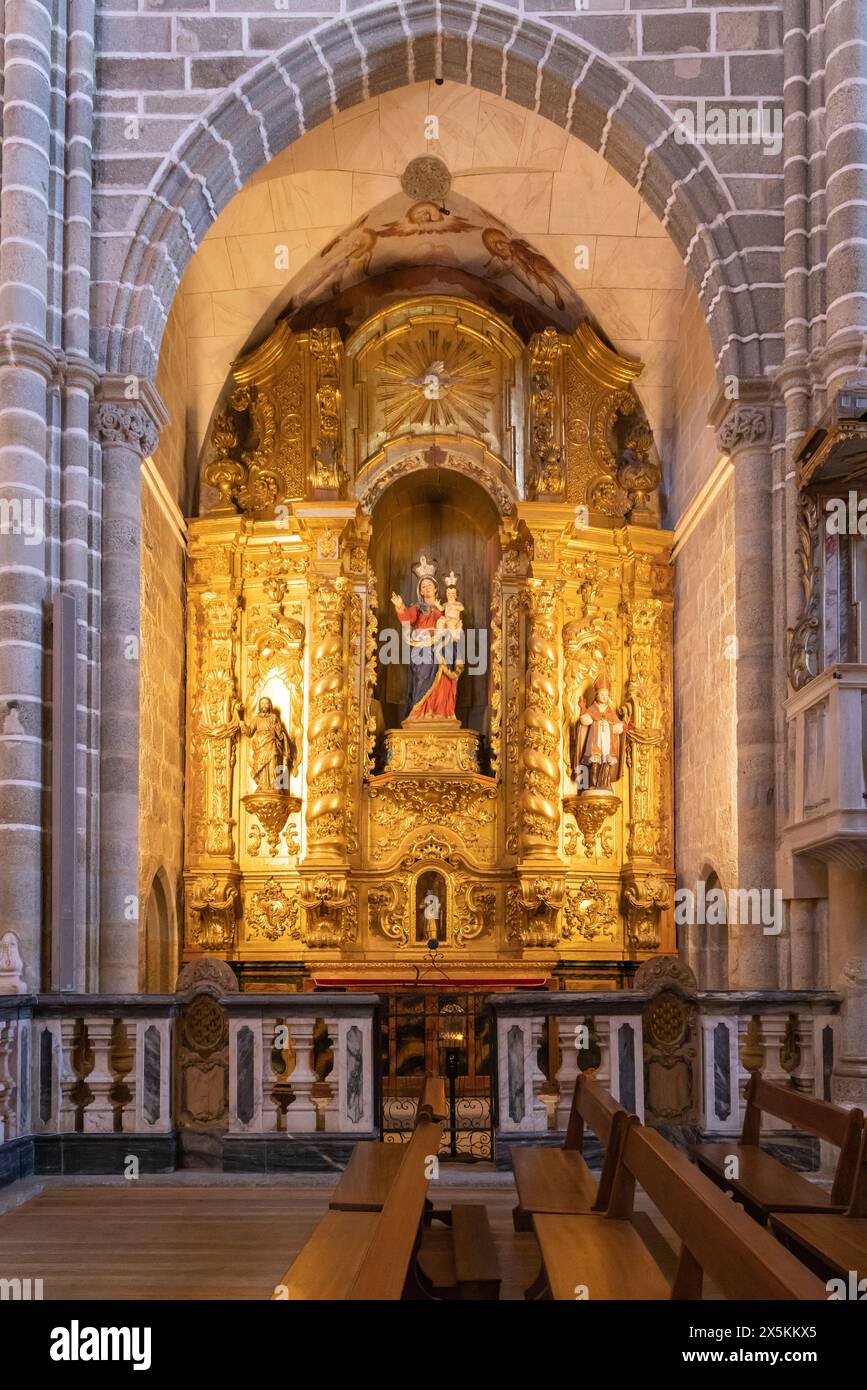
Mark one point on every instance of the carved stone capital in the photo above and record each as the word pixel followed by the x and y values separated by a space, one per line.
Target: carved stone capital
pixel 134 420
pixel 129 425
pixel 745 424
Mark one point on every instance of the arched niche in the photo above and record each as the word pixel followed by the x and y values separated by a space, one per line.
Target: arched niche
pixel 160 956
pixel 451 519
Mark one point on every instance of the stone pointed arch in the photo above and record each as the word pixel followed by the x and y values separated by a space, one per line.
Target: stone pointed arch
pixel 527 60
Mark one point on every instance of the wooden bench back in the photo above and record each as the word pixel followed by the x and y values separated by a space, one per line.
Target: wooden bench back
pixel 718 1237
pixel 593 1106
pixel 842 1128
pixel 383 1270
pixel 432 1098
pixel 858 1204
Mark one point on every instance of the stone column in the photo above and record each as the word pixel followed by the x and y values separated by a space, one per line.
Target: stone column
pixel 847 932
pixel 27 364
pixel 127 430
pixel 746 436
pixel 845 43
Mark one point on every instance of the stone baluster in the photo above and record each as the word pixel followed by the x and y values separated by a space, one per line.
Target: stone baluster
pixel 66 1076
pixel 301 1115
pixel 8 1079
pixel 99 1114
pixel 568 1070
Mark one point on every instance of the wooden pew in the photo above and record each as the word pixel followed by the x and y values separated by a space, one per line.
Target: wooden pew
pixel 831 1245
pixel 373 1166
pixel 605 1255
pixel 368 1254
pixel 551 1180
pixel 764 1184
pixel 459 1261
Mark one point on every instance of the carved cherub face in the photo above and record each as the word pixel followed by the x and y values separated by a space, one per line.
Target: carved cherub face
pixel 451 594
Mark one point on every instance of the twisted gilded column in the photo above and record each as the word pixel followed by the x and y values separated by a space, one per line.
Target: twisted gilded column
pixel 327 729
pixel 127 430
pixel 540 726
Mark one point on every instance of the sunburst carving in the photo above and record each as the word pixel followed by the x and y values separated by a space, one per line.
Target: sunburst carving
pixel 437 381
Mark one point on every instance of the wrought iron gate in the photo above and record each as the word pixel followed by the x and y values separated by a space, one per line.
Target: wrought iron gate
pixel 451 1035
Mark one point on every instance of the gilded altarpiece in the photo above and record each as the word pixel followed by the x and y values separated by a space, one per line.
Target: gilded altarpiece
pixel 528 839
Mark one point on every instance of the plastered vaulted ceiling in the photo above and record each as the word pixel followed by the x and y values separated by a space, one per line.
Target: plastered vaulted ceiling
pixel 546 185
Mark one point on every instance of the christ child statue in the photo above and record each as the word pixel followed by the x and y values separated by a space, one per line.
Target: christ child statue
pixel 451 620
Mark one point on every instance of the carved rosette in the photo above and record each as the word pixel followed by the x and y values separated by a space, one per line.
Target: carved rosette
pixel 216 724
pixel 327 732
pixel 540 742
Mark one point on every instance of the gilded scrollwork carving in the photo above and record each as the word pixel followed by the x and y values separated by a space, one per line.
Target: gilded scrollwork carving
pixel 387 909
pixel 329 474
pixel 645 900
pixel 211 905
pixel 546 479
pixel 597 391
pixel 532 911
pixel 589 912
pixel 330 911
pixel 273 911
pixel 475 906
pixel 401 807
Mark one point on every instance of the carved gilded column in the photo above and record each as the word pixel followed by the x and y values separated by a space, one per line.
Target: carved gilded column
pixel 213 874
pixel 327 728
pixel 540 741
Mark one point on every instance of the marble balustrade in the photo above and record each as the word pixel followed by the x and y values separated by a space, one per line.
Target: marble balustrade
pixel 788 1035
pixel 99 1076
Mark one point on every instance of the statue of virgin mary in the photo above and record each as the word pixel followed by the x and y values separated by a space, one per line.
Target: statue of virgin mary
pixel 433 665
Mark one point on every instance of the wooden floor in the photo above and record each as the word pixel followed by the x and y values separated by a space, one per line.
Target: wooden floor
pixel 173 1241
